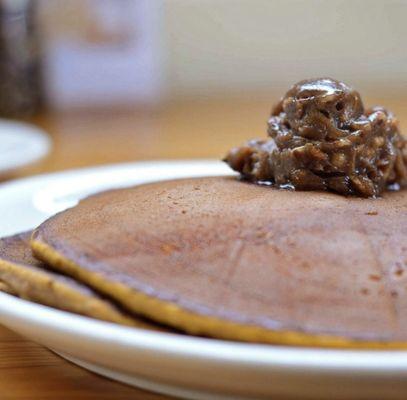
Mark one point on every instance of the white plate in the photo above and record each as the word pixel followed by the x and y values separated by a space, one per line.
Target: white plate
pixel 194 368
pixel 21 144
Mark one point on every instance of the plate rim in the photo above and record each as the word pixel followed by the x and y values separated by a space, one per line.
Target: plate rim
pixel 314 359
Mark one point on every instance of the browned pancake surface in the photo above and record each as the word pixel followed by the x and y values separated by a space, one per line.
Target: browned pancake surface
pixel 307 262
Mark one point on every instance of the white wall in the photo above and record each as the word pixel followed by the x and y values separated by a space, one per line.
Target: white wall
pixel 215 46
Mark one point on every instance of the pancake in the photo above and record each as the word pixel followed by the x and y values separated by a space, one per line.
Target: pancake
pixel 28 278
pixel 6 288
pixel 233 260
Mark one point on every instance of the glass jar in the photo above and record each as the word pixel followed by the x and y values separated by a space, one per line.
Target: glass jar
pixel 20 77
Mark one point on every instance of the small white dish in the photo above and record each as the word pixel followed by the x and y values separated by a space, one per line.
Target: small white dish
pixel 21 144
pixel 178 365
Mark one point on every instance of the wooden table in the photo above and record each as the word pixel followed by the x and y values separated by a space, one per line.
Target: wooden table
pixel 203 128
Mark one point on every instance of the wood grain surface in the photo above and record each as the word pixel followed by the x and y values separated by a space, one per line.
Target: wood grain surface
pixel 199 128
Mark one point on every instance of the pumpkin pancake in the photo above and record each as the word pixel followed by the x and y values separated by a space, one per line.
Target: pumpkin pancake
pixel 233 260
pixel 23 275
pixel 6 288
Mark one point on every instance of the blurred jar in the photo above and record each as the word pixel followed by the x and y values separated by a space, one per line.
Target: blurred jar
pixel 20 78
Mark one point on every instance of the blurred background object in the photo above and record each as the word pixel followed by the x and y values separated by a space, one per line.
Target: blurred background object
pixel 126 80
pixel 100 53
pixel 22 146
pixel 20 76
pixel 235 46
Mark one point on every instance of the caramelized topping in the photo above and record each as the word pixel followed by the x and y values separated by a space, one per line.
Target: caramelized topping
pixel 322 138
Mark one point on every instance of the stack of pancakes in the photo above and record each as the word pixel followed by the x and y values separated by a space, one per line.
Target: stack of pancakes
pixel 221 258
